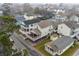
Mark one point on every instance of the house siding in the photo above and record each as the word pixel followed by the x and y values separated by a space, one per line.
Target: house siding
pixel 64 30
pixel 45 31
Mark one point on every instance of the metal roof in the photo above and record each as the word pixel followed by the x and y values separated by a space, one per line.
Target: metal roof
pixel 32 21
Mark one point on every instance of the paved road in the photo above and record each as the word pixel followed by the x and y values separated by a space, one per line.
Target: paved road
pixel 21 40
pixel 17 44
pixel 76 53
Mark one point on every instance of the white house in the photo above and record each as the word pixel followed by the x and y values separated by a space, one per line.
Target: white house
pixel 45 27
pixel 60 17
pixel 29 25
pixel 37 29
pixel 59 10
pixel 59 46
pixel 64 29
pixel 68 28
pixel 30 17
pixel 74 18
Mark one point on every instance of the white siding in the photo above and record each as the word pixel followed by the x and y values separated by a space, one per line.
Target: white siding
pixel 74 18
pixel 45 31
pixel 31 26
pixel 64 30
pixel 49 51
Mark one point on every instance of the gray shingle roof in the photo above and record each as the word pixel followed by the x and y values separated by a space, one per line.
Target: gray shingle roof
pixel 44 23
pixel 72 24
pixel 62 42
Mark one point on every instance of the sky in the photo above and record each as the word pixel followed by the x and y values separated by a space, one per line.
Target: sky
pixel 40 1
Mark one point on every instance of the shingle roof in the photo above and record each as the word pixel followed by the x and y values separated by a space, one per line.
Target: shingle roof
pixel 71 24
pixel 44 23
pixel 62 42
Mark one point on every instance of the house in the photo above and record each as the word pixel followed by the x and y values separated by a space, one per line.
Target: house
pixel 30 17
pixel 26 24
pixel 68 28
pixel 64 29
pixel 29 25
pixel 59 11
pixel 59 17
pixel 19 19
pixel 45 27
pixel 37 29
pixel 59 46
pixel 74 18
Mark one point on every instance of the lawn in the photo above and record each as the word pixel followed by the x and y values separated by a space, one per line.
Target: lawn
pixel 40 47
pixel 70 51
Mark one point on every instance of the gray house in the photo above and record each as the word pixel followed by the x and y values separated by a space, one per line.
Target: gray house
pixel 59 46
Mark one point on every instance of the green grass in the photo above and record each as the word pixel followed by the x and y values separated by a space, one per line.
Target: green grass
pixel 40 46
pixel 70 51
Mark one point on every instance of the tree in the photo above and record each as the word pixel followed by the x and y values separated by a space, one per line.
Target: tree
pixel 37 10
pixel 4 39
pixel 17 54
pixel 7 18
pixel 27 8
pixel 6 8
pixel 25 52
pixel 10 25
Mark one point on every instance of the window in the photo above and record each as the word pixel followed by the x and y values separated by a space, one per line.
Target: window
pixel 50 49
pixel 31 29
pixel 31 24
pixel 27 29
pixel 24 29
